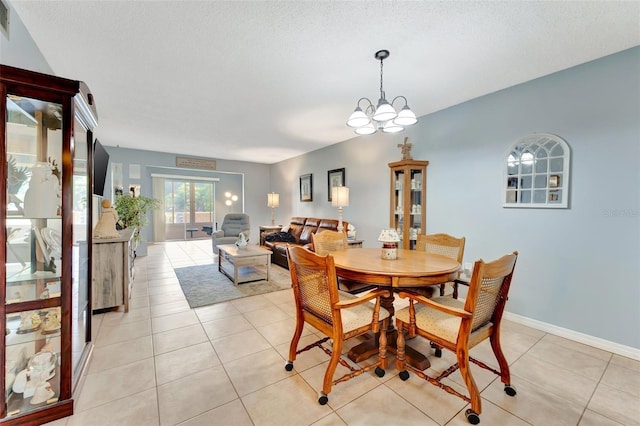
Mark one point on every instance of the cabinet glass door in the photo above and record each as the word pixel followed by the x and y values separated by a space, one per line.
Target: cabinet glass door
pixel 408 199
pixel 80 314
pixel 33 260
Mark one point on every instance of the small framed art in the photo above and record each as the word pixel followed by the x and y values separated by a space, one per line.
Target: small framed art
pixel 334 178
pixel 306 187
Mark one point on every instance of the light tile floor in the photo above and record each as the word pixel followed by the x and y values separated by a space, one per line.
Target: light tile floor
pixel 166 364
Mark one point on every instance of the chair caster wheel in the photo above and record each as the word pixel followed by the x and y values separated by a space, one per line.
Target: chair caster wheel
pixel 404 375
pixel 472 417
pixel 288 366
pixel 437 349
pixel 323 399
pixel 380 372
pixel 510 390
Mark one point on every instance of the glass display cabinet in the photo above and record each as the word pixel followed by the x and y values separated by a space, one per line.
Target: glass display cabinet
pixel 45 147
pixel 408 205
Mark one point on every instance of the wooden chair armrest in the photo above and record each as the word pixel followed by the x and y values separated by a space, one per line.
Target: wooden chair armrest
pixel 361 299
pixel 435 305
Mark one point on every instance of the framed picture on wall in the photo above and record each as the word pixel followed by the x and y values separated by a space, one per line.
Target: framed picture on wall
pixel 306 187
pixel 334 178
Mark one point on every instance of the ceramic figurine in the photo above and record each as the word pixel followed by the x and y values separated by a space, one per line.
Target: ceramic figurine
pixel 41 199
pixel 106 226
pixel 242 241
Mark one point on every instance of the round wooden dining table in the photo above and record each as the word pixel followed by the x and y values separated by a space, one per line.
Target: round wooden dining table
pixel 412 268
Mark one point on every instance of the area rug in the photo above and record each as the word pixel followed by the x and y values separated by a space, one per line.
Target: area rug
pixel 204 285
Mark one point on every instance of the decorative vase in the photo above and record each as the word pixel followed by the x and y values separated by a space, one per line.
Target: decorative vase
pixel 41 199
pixel 241 242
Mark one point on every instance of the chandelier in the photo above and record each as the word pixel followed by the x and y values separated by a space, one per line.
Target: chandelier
pixel 383 116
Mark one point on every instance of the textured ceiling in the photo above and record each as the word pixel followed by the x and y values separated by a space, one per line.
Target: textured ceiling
pixel 266 81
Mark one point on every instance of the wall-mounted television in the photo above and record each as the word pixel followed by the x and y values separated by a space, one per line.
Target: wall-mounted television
pixel 100 167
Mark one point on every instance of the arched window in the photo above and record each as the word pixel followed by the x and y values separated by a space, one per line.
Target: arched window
pixel 537 172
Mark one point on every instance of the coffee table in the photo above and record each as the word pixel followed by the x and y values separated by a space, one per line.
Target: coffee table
pixel 251 263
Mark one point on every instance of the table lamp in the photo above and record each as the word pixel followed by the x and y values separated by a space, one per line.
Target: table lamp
pixel 340 199
pixel 389 239
pixel 273 201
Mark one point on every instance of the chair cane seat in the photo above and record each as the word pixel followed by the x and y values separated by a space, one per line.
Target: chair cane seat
pixel 352 318
pixel 444 325
pixel 360 315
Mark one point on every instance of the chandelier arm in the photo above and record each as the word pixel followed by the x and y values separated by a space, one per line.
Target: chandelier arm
pixel 370 109
pixel 365 99
pixel 400 96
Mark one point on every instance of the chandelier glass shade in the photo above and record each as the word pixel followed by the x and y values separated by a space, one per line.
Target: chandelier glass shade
pixel 383 116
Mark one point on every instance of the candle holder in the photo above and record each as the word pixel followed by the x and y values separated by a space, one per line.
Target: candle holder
pixel 390 240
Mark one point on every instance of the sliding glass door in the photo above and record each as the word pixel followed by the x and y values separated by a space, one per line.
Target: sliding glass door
pixel 189 205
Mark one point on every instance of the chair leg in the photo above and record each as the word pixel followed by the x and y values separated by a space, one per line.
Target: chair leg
pixel 505 375
pixel 442 289
pixel 293 347
pixel 382 348
pixel 331 369
pixel 463 363
pixel 455 290
pixel 400 352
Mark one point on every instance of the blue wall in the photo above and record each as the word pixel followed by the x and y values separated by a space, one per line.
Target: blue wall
pixel 579 267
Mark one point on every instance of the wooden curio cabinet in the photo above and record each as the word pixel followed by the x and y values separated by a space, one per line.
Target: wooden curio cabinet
pixel 45 204
pixel 408 205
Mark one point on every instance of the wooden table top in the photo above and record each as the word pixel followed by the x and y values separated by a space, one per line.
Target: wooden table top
pixel 412 268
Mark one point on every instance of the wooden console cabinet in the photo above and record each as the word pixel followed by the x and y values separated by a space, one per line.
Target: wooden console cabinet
pixel 112 271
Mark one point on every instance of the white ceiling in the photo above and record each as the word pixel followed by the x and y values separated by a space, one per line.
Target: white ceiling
pixel 266 81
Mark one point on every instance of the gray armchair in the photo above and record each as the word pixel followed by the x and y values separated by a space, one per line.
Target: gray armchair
pixel 232 225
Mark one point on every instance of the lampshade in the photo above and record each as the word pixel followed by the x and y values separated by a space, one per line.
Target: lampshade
pixel 358 118
pixel 340 196
pixel 391 127
pixel 405 117
pixel 273 200
pixel 389 236
pixel 384 111
pixel 369 129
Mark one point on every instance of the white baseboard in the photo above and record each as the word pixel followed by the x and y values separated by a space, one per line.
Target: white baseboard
pixel 596 342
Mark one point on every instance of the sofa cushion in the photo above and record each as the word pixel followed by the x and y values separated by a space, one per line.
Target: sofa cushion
pixel 310 227
pixel 296 225
pixel 330 225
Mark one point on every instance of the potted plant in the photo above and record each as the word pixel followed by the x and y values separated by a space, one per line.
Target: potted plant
pixel 132 212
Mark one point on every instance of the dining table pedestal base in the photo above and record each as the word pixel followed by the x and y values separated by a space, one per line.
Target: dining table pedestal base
pixel 369 348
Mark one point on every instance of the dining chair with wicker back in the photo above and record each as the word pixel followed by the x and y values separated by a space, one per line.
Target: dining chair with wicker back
pixel 327 241
pixel 336 314
pixel 445 245
pixel 459 326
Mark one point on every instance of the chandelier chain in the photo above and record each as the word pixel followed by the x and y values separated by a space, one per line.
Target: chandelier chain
pixel 381 89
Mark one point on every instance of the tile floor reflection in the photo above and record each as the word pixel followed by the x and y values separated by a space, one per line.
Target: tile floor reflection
pixel 166 364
